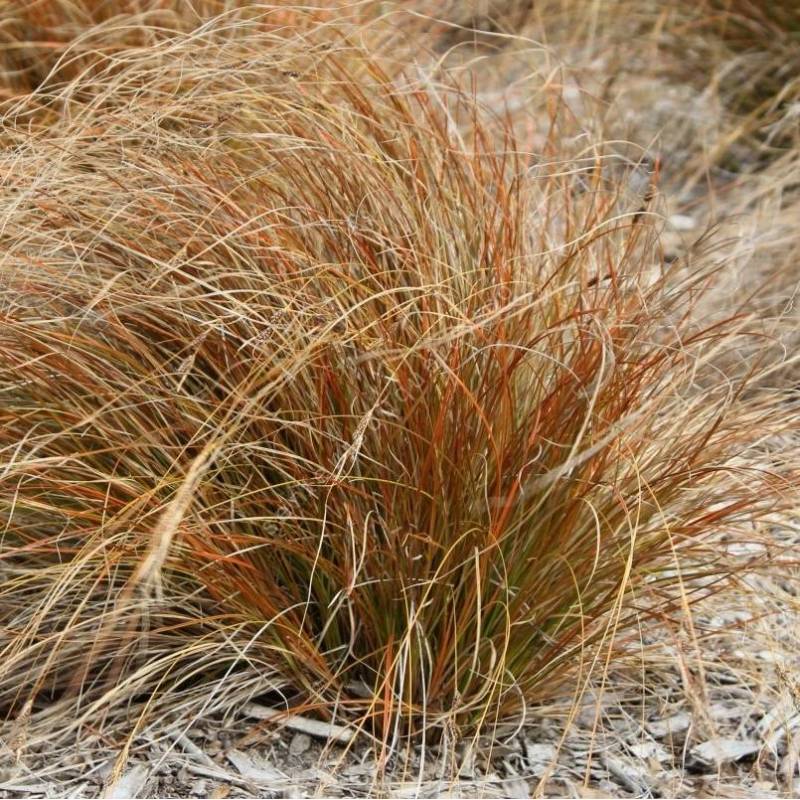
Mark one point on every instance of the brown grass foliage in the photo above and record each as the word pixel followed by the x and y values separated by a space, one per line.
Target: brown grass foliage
pixel 317 377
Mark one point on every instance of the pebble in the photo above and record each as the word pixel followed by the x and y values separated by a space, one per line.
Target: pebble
pixel 300 743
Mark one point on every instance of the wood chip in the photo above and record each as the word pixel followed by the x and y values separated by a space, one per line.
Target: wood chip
pixel 626 774
pixel 516 787
pixel 661 728
pixel 721 750
pixel 649 750
pixel 190 748
pixel 129 784
pixel 313 727
pixel 539 757
pixel 253 770
pixel 216 774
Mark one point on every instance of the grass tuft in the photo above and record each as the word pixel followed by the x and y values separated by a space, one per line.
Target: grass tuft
pixel 307 386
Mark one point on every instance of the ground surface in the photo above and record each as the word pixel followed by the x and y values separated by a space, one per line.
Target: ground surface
pixel 715 717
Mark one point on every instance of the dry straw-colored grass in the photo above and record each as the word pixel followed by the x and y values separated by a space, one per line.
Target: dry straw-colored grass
pixel 710 91
pixel 316 378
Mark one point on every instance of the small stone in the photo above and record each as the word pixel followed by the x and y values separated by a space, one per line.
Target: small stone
pixel 300 743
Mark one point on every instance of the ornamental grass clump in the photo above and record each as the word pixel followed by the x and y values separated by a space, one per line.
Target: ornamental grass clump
pixel 316 381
